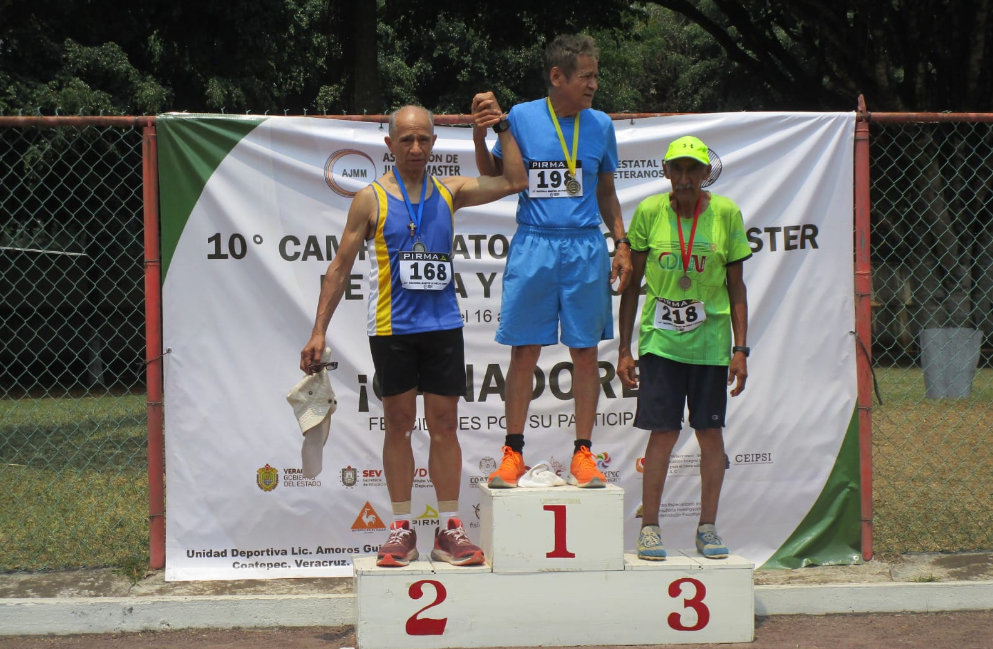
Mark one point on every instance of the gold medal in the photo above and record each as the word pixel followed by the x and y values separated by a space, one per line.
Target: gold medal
pixel 572 186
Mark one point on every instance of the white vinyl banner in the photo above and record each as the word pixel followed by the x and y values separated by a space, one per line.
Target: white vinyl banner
pixel 240 293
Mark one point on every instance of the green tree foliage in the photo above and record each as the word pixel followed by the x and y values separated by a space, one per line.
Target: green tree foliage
pixel 904 55
pixel 320 55
pixel 441 54
pixel 115 57
pixel 660 61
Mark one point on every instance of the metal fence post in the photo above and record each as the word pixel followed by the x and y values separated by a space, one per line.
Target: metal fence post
pixel 863 320
pixel 153 349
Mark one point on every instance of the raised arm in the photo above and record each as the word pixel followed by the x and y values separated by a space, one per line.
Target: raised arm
pixel 610 212
pixel 513 177
pixel 360 214
pixel 486 112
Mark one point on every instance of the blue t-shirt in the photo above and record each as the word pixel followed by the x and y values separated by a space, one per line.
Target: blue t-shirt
pixel 532 127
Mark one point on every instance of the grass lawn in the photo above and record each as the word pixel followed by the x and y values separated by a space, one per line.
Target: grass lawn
pixel 73 482
pixel 933 466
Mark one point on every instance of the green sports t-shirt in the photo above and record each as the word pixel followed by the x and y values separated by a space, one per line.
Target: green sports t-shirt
pixel 694 325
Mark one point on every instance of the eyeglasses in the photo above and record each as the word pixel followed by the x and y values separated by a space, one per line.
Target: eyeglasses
pixel 330 365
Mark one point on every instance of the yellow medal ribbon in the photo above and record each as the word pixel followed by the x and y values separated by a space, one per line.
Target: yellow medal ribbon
pixel 570 161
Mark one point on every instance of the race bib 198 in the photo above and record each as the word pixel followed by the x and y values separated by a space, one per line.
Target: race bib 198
pixel 425 271
pixel 679 315
pixel 549 179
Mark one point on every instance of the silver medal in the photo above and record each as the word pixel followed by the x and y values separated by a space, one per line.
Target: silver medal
pixel 572 186
pixel 420 247
pixel 685 282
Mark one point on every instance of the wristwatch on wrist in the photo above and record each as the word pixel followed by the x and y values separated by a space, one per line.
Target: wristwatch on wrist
pixel 744 350
pixel 501 126
pixel 618 242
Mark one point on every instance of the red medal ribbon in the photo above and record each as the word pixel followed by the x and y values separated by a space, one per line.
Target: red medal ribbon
pixel 685 252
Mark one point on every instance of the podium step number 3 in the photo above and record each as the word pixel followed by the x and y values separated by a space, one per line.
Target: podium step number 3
pixel 572 539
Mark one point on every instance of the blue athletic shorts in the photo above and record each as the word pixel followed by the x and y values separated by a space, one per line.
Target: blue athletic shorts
pixel 556 276
pixel 667 386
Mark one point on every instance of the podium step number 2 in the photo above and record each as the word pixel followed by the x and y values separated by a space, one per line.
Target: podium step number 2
pixel 685 599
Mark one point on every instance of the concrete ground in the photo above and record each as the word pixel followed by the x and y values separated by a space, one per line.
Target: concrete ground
pixel 103 601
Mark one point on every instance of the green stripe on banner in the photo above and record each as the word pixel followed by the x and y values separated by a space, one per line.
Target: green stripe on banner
pixel 190 149
pixel 831 533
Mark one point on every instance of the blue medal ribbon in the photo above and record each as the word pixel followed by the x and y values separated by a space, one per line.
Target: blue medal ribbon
pixel 414 217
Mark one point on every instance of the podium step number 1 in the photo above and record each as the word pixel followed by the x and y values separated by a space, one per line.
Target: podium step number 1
pixel 556 575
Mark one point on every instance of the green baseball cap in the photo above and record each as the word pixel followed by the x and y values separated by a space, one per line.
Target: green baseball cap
pixel 688 147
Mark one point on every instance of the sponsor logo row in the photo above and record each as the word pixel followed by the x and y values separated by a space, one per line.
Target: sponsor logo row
pixel 268 477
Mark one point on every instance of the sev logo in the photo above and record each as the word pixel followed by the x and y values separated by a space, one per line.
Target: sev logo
pixel 267 478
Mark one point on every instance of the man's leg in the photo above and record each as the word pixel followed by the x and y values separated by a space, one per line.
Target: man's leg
pixel 583 471
pixel 445 459
pixel 445 468
pixel 520 386
pixel 657 454
pixel 585 389
pixel 398 466
pixel 398 457
pixel 712 466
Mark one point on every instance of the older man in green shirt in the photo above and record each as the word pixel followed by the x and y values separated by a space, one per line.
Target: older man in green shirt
pixel 689 244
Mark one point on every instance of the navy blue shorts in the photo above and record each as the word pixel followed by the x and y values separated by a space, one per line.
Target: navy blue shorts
pixel 667 386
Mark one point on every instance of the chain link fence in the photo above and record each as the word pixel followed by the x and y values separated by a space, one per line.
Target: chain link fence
pixel 73 465
pixel 73 477
pixel 932 266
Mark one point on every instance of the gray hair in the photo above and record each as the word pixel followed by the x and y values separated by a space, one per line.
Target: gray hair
pixel 393 118
pixel 565 51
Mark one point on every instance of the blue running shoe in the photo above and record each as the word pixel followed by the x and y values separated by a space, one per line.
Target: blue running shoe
pixel 650 544
pixel 709 544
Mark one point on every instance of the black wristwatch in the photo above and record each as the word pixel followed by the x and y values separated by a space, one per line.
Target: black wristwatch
pixel 617 242
pixel 744 350
pixel 501 126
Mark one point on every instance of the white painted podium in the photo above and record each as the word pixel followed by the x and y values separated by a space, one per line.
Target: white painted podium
pixel 556 575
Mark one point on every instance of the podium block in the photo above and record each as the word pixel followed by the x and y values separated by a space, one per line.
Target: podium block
pixel 685 599
pixel 559 529
pixel 557 575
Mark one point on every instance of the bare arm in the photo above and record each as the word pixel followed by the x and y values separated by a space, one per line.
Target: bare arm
pixel 487 163
pixel 486 112
pixel 738 296
pixel 512 179
pixel 610 212
pixel 360 215
pixel 627 316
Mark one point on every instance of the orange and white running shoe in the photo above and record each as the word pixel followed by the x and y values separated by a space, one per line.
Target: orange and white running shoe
pixel 583 471
pixel 510 470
